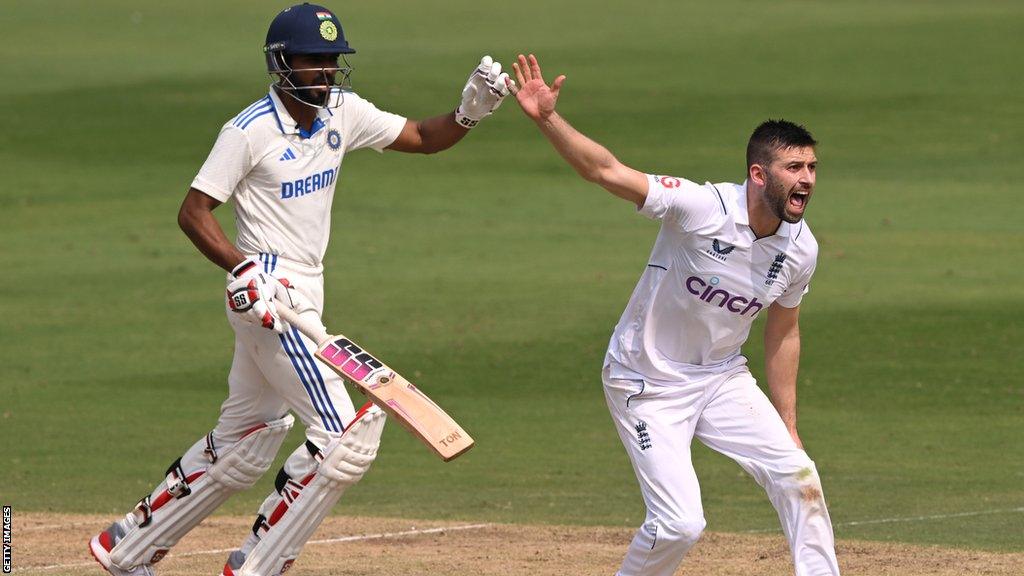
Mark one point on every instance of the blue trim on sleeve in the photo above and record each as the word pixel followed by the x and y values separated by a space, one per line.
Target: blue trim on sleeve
pixel 251 118
pixel 250 108
pixel 260 108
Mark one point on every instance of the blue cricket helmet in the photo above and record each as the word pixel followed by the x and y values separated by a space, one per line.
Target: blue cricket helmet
pixel 307 29
pixel 304 29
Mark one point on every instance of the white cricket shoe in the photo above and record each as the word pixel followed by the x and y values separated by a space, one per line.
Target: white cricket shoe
pixel 101 545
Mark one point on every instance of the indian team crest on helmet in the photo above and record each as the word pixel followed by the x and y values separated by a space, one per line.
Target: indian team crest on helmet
pixel 334 139
pixel 328 30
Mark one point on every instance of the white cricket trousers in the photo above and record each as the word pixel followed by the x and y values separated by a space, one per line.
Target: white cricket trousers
pixel 731 415
pixel 272 373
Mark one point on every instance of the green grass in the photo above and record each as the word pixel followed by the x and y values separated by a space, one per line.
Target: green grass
pixel 492 276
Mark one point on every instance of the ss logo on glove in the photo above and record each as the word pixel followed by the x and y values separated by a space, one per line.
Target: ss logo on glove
pixel 253 298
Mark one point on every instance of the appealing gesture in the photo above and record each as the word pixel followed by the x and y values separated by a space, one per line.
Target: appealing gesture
pixel 535 97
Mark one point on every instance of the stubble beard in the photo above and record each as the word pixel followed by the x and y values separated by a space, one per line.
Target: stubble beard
pixel 313 97
pixel 777 198
pixel 310 94
pixel 317 101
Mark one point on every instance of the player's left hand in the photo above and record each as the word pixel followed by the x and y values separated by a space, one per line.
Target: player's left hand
pixel 253 298
pixel 485 89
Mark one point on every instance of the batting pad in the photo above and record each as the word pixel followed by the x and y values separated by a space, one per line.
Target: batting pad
pixel 345 461
pixel 168 517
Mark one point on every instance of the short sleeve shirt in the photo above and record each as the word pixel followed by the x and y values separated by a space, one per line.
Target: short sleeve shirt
pixel 282 179
pixel 706 281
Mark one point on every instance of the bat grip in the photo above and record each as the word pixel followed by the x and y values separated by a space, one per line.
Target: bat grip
pixel 311 329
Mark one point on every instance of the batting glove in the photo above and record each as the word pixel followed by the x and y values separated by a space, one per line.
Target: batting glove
pixel 248 268
pixel 485 89
pixel 253 298
pixel 292 297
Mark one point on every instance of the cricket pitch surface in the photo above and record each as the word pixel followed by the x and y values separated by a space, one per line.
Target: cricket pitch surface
pixel 54 544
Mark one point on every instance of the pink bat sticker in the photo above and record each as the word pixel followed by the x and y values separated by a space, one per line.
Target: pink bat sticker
pixel 352 360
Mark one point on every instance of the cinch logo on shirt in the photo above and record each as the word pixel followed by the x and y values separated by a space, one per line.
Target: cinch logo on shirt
pixel 708 293
pixel 308 185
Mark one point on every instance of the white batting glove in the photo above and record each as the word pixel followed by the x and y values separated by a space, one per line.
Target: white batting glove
pixel 253 298
pixel 292 297
pixel 485 89
pixel 247 268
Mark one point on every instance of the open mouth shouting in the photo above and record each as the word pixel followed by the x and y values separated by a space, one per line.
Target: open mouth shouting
pixel 798 200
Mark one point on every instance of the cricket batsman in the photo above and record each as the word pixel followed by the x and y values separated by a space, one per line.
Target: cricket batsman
pixel 673 370
pixel 279 161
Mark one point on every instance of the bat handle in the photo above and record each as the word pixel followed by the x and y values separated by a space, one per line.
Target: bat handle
pixel 311 329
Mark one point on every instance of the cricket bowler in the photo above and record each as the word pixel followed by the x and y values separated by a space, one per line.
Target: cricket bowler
pixel 674 370
pixel 279 161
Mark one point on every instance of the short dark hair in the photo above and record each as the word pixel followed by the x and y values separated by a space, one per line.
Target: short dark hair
pixel 773 135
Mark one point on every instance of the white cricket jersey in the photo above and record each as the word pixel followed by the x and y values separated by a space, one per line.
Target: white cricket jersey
pixel 282 179
pixel 708 277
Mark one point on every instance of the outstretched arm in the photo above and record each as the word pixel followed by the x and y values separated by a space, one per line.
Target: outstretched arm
pixel 782 359
pixel 430 135
pixel 484 91
pixel 591 160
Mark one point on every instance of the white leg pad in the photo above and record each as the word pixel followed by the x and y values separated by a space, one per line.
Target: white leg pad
pixel 295 519
pixel 182 503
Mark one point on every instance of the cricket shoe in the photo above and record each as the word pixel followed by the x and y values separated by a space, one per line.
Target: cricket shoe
pixel 101 545
pixel 235 561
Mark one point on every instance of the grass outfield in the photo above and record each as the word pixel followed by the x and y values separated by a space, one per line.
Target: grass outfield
pixel 492 276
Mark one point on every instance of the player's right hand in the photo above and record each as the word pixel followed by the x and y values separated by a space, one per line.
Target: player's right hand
pixel 535 97
pixel 485 89
pixel 252 296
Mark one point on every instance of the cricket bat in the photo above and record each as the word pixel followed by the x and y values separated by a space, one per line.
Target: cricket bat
pixel 413 409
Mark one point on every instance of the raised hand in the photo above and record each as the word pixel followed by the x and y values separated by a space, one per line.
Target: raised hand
pixel 535 97
pixel 485 89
